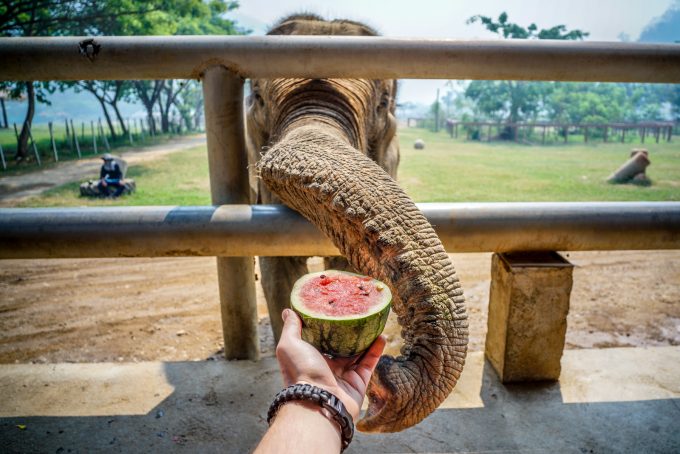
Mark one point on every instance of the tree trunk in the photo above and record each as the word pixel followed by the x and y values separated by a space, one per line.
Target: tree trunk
pixel 114 106
pixel 149 100
pixel 22 143
pixel 165 123
pixel 4 114
pixel 108 118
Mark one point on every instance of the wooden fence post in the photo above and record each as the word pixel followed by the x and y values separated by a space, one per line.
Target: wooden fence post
pixel 75 138
pixel 35 148
pixel 129 132
pixel 54 146
pixel 543 140
pixel 94 138
pixel 69 140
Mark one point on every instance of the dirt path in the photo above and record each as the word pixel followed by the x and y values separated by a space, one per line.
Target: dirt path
pixel 20 187
pixel 168 309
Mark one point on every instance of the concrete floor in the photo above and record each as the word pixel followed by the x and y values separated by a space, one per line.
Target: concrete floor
pixel 609 400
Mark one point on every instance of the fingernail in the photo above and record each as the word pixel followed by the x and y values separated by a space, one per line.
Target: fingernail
pixel 284 314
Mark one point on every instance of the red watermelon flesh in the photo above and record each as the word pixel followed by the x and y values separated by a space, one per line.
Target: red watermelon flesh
pixel 339 295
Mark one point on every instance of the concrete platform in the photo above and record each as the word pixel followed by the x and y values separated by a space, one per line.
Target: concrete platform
pixel 609 400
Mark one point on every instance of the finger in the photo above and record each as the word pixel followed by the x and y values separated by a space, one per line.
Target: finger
pixel 292 326
pixel 367 364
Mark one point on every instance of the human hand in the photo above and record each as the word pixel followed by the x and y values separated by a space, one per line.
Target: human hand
pixel 300 362
pixel 104 183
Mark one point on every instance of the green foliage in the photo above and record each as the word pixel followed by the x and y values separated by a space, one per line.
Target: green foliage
pixel 514 101
pixel 510 30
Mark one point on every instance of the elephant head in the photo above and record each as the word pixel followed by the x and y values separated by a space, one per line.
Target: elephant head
pixel 328 149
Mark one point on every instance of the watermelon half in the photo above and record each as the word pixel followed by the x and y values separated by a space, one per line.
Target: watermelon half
pixel 342 313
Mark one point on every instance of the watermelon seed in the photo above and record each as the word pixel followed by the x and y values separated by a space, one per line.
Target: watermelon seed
pixel 323 276
pixel 361 287
pixel 331 302
pixel 379 288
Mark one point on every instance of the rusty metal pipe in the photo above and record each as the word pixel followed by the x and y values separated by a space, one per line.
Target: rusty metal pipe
pixel 187 57
pixel 274 230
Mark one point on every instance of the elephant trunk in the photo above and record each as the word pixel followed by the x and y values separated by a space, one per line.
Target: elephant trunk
pixel 316 169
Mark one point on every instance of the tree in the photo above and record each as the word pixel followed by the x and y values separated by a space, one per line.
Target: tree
pixel 107 92
pixel 513 101
pixel 55 18
pixel 189 104
pixel 179 17
pixel 510 30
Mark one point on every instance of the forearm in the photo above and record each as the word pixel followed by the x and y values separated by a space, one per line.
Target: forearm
pixel 300 427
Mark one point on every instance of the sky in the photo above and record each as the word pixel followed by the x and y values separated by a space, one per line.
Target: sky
pixel 605 20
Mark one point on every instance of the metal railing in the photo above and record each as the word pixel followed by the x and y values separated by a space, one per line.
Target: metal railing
pixel 235 233
pixel 275 230
pixel 187 57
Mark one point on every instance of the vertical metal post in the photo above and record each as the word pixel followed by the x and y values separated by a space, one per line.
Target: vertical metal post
pixel 227 159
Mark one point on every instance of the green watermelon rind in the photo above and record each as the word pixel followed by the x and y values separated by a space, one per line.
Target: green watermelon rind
pixel 341 336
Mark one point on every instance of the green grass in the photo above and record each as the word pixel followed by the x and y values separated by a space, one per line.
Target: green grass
pixel 41 136
pixel 175 179
pixel 457 170
pixel 448 170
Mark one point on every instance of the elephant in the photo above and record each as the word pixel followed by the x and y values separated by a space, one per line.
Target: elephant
pixel 328 149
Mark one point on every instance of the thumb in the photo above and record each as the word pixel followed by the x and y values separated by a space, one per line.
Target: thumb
pixel 292 326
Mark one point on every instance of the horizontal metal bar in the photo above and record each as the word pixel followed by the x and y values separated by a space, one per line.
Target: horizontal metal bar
pixel 186 57
pixel 274 230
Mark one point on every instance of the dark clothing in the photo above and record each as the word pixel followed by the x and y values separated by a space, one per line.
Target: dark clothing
pixel 111 174
pixel 113 177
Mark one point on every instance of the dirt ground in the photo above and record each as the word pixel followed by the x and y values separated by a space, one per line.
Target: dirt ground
pixel 168 308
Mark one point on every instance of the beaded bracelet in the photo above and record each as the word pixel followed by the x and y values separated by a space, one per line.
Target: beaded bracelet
pixel 326 400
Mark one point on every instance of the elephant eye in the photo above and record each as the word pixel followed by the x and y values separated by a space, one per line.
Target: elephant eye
pixel 384 102
pixel 258 99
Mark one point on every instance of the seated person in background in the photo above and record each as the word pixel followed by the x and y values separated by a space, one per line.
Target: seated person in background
pixel 110 176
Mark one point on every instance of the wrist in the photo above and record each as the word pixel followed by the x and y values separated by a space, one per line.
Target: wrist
pixel 346 400
pixel 333 408
pixel 309 411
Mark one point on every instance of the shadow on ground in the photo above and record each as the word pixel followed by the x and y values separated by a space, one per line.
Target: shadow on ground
pixel 219 406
